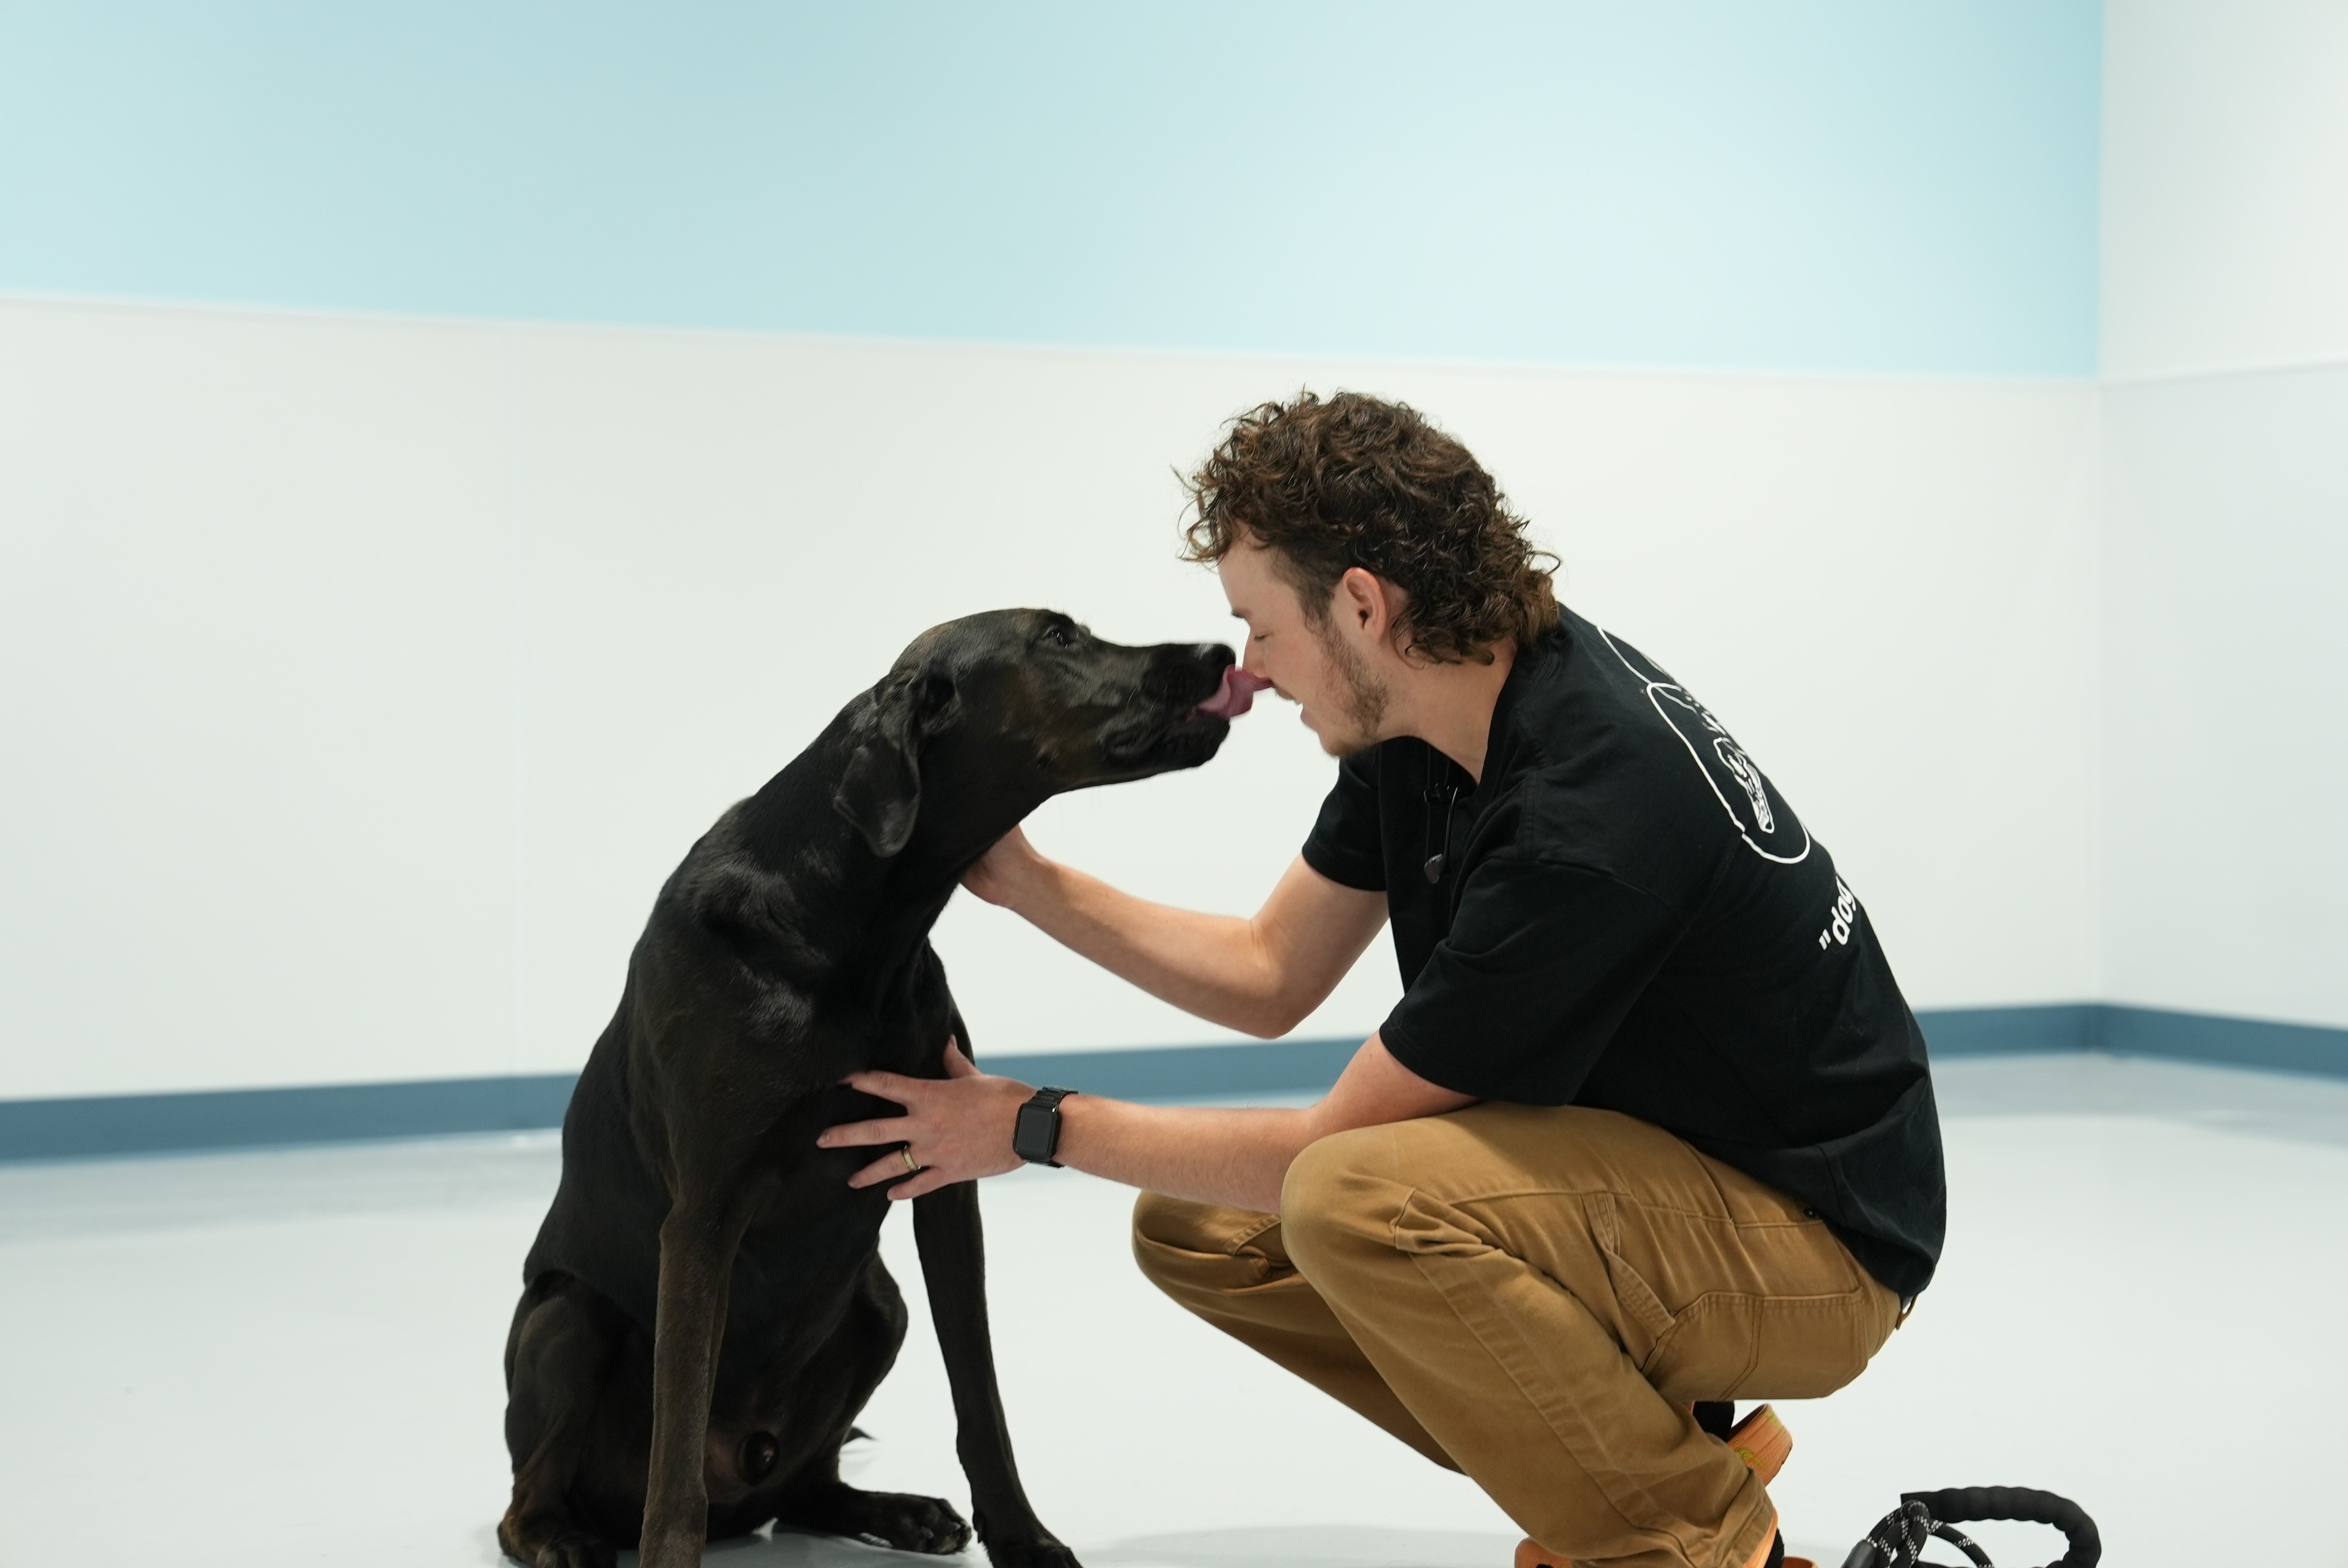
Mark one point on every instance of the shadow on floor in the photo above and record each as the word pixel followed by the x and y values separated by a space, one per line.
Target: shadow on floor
pixel 1285 1546
pixel 1308 1546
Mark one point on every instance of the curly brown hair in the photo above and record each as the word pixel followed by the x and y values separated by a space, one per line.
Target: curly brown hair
pixel 1356 481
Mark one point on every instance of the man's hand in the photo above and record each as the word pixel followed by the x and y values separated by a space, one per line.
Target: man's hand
pixel 956 1129
pixel 1004 871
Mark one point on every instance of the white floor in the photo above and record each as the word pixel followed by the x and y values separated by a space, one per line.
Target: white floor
pixel 293 1356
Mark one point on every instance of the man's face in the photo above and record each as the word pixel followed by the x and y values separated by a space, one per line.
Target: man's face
pixel 1311 664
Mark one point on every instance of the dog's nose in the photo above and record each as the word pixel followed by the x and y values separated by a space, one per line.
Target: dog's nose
pixel 1185 672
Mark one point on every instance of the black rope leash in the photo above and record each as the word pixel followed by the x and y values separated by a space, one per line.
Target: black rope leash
pixel 1899 1539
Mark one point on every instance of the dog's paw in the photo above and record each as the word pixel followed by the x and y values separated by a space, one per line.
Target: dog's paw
pixel 903 1520
pixel 909 1522
pixel 547 1543
pixel 1041 1552
pixel 574 1551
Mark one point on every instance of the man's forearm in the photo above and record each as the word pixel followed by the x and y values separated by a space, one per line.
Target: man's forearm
pixel 1237 1157
pixel 1260 975
pixel 1210 966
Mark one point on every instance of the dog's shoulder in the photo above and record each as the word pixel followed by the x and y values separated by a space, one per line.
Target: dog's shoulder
pixel 747 894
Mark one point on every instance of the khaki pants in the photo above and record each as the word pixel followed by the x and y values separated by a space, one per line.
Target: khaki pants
pixel 1535 1296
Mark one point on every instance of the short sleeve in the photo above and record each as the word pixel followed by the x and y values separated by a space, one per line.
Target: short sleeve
pixel 1346 845
pixel 1542 964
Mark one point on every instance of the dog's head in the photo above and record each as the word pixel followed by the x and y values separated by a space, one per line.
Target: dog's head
pixel 984 718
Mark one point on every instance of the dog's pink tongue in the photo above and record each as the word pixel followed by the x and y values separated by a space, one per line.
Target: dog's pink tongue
pixel 1236 695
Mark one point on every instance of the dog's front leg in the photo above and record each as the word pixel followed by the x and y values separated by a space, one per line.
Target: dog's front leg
pixel 953 1269
pixel 696 1260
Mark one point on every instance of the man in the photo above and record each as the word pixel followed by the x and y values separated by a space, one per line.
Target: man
pixel 1650 1127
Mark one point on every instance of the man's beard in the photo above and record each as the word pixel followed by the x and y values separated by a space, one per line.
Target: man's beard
pixel 1365 697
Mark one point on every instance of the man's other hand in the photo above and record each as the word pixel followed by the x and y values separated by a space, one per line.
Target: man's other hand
pixel 955 1129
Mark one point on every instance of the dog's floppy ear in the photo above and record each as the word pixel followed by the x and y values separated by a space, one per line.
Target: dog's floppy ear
pixel 880 790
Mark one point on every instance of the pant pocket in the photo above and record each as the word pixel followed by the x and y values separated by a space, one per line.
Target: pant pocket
pixel 1731 1346
pixel 1641 1321
pixel 1709 1351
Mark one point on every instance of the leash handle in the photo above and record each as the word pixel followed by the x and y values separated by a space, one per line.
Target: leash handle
pixel 1970 1505
pixel 1899 1540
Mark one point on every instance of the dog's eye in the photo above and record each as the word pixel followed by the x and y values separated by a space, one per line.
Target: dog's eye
pixel 1058 637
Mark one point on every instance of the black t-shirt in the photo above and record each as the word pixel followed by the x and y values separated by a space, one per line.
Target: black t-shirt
pixel 1628 916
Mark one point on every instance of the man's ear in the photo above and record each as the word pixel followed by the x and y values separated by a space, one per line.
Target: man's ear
pixel 880 790
pixel 1361 601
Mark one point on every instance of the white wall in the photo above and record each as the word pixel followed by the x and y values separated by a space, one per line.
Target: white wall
pixel 2226 341
pixel 2225 185
pixel 2227 717
pixel 364 678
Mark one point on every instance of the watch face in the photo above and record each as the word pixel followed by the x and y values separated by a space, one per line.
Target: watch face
pixel 1031 1135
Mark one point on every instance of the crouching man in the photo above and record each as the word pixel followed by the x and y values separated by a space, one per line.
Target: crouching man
pixel 1651 1128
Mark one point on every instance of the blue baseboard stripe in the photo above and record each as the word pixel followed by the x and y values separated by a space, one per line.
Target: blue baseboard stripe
pixel 2010 1031
pixel 1188 1072
pixel 260 1118
pixel 2233 1041
pixel 2119 1031
pixel 255 1118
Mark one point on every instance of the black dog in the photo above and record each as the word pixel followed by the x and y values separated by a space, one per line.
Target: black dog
pixel 705 1310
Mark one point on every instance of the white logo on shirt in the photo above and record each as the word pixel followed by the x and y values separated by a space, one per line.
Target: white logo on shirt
pixel 1841 917
pixel 1763 819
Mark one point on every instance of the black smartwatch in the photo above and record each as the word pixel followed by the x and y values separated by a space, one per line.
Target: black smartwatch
pixel 1036 1136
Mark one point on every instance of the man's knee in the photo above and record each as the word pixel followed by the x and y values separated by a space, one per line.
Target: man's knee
pixel 1338 1198
pixel 1189 1249
pixel 1163 1228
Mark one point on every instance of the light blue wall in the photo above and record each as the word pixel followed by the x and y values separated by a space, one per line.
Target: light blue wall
pixel 1838 184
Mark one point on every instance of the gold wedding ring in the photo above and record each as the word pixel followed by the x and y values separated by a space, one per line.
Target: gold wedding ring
pixel 905 1152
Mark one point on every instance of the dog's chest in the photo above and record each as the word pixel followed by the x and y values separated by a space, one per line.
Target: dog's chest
pixel 901 1026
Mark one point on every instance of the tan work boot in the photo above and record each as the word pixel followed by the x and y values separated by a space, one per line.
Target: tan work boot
pixel 1760 1441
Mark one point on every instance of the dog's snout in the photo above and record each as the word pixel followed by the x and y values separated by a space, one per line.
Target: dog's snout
pixel 1187 671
